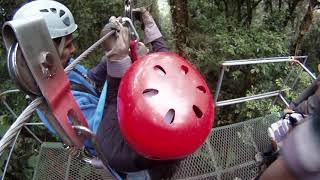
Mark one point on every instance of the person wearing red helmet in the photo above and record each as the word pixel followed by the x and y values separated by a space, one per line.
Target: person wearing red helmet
pixel 112 147
pixel 119 143
pixel 165 108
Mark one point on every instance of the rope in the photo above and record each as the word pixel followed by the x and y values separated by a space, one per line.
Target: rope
pixel 8 91
pixel 18 124
pixel 87 52
pixel 27 113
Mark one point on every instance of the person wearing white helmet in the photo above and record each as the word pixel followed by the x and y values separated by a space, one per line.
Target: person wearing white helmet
pixel 61 25
pixel 59 20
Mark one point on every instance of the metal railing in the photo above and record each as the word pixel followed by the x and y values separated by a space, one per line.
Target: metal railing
pixel 14 142
pixel 299 60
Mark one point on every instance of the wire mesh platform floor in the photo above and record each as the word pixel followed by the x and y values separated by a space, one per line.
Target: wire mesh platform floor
pixel 228 153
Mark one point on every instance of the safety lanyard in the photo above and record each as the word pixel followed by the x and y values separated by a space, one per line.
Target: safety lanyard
pixel 100 108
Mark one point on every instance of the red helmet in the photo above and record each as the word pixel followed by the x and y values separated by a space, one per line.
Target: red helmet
pixel 165 108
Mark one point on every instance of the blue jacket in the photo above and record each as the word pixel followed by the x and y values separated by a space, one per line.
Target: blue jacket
pixel 87 102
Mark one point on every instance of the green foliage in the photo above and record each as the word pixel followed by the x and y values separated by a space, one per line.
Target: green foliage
pixel 251 43
pixel 215 37
pixel 311 44
pixel 24 159
pixel 275 21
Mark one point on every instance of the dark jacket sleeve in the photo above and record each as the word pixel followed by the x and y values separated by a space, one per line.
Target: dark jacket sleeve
pixel 309 99
pixel 159 45
pixel 304 162
pixel 308 106
pixel 98 73
pixel 111 146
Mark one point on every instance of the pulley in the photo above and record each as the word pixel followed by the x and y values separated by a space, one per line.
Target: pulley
pixel 19 71
pixel 128 9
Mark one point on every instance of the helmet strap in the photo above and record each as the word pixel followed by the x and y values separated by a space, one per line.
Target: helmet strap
pixel 61 45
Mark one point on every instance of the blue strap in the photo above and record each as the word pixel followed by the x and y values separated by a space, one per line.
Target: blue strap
pixel 100 107
pixel 114 173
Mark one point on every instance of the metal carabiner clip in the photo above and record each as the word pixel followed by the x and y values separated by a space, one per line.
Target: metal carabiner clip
pixel 132 29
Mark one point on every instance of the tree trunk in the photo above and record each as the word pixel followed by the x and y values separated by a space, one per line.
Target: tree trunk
pixel 251 6
pixel 180 22
pixel 268 6
pixel 226 8
pixel 304 26
pixel 239 12
pixel 249 12
pixel 291 9
pixel 280 5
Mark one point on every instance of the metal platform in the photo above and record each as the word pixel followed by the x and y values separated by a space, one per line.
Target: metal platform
pixel 56 164
pixel 228 153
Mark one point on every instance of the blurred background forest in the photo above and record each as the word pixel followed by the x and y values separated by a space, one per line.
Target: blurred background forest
pixel 206 32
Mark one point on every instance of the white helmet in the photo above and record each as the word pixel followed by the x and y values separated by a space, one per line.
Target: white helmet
pixel 58 17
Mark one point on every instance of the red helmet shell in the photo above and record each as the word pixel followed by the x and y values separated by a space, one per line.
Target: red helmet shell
pixel 165 108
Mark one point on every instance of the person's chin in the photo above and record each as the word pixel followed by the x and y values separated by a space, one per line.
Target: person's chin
pixel 65 62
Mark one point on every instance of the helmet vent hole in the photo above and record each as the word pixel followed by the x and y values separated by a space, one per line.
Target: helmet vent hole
pixel 54 10
pixel 61 13
pixel 150 92
pixel 169 117
pixel 66 21
pixel 184 69
pixel 202 89
pixel 44 10
pixel 197 111
pixel 160 70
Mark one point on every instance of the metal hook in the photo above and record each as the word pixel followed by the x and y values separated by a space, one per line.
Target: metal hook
pixel 81 130
pixel 128 20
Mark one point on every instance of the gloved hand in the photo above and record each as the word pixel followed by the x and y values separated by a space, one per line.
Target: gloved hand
pixel 118 60
pixel 120 49
pixel 151 30
pixel 110 41
pixel 279 130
